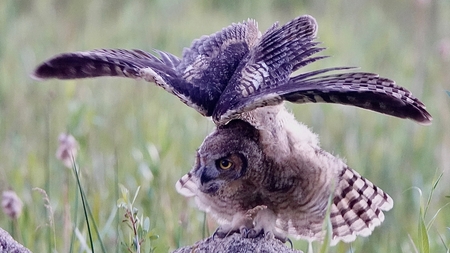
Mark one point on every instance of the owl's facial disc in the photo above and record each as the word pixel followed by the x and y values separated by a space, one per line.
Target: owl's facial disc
pixel 220 171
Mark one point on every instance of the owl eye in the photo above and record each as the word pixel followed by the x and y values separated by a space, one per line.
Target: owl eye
pixel 224 164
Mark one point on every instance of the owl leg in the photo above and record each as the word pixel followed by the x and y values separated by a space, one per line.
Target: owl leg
pixel 264 223
pixel 241 223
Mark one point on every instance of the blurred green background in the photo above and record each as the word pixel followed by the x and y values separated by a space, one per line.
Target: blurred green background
pixel 150 137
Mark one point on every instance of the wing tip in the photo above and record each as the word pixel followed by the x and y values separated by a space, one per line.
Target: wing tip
pixel 387 205
pixel 425 118
pixel 185 186
pixel 42 72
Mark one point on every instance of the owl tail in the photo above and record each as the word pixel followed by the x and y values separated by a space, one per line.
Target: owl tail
pixel 357 208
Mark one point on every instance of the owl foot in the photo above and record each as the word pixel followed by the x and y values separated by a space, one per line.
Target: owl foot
pixel 280 237
pixel 224 231
pixel 251 232
pixel 240 224
pixel 255 232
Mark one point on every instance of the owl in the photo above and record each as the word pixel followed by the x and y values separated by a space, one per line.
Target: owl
pixel 261 171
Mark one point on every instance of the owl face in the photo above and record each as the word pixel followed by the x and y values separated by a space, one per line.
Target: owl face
pixel 213 173
pixel 226 156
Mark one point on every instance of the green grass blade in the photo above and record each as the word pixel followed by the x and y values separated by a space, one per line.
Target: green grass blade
pixel 435 216
pixel 329 232
pixel 413 244
pixel 95 227
pixel 433 188
pixel 136 194
pixel 204 227
pixel 424 243
pixel 116 191
pixel 75 218
pixel 83 201
pixel 327 225
pixel 447 250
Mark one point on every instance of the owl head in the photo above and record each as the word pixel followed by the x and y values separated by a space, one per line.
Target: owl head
pixel 226 155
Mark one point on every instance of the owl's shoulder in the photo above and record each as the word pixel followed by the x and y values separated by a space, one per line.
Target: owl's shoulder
pixel 281 136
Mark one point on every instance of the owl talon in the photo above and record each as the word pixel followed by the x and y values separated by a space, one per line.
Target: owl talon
pixel 290 242
pixel 223 232
pixel 244 231
pixel 253 233
pixel 280 237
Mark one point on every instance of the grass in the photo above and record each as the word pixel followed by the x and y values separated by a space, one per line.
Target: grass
pixel 135 134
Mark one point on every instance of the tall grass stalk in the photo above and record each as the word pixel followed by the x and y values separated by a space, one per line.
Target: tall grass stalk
pixel 86 210
pixel 51 217
pixel 75 217
pixel 327 226
pixel 84 204
pixel 422 243
pixel 117 194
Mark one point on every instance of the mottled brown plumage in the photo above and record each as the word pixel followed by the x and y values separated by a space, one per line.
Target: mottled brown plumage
pixel 261 171
pixel 281 168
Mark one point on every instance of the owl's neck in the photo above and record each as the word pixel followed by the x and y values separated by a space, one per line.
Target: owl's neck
pixel 279 130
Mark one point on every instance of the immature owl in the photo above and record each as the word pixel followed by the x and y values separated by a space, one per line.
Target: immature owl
pixel 261 171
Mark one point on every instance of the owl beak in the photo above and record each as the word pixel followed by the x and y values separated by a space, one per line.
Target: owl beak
pixel 206 175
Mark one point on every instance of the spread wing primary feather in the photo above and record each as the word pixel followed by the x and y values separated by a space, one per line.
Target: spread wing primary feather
pixel 197 79
pixel 237 70
pixel 364 90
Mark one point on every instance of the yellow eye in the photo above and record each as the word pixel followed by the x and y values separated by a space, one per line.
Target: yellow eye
pixel 225 164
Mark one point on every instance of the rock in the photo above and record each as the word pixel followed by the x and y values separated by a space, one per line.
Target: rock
pixel 237 244
pixel 9 245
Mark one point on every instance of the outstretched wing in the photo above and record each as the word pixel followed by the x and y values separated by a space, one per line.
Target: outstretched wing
pixel 269 64
pixel 198 79
pixel 364 90
pixel 357 207
pixel 236 70
pixel 356 210
pixel 263 79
